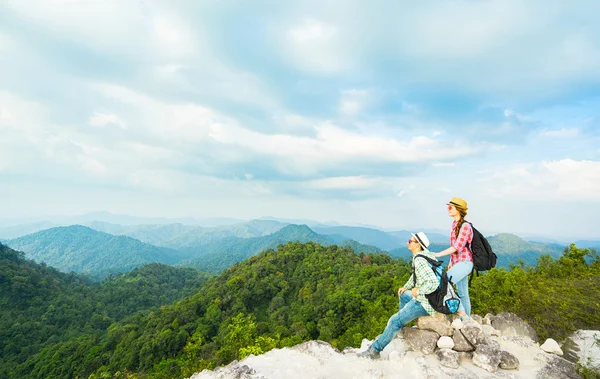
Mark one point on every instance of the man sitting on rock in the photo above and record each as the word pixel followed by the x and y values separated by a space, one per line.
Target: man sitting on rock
pixel 413 303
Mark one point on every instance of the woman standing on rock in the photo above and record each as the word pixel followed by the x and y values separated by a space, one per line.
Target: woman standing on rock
pixel 461 259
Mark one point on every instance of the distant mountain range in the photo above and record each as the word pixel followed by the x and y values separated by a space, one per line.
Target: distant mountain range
pixel 87 251
pixel 100 247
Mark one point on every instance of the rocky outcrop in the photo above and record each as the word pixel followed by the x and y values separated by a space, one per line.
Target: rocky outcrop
pixel 512 325
pixel 417 353
pixel 583 347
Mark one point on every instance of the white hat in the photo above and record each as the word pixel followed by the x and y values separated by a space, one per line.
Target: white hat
pixel 422 239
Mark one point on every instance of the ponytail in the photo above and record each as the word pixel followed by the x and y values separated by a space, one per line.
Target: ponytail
pixel 461 221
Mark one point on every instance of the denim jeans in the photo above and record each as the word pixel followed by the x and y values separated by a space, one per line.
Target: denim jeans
pixel 459 274
pixel 410 309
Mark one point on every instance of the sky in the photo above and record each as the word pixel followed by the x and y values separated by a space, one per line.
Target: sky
pixel 358 112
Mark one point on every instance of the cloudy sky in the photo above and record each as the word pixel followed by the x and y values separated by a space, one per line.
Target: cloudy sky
pixel 372 112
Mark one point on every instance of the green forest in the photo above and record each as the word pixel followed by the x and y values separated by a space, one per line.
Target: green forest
pixel 164 322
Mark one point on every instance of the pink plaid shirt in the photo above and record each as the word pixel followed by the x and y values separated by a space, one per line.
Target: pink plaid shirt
pixel 460 243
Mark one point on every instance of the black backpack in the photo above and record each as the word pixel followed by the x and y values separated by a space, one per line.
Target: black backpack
pixel 484 257
pixel 444 299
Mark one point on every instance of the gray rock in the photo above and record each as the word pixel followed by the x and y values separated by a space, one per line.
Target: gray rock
pixel 558 368
pixel 487 319
pixel 487 340
pixel 472 332
pixel 439 323
pixel 424 341
pixel 508 361
pixel 460 342
pixel 511 324
pixel 465 355
pixel 487 357
pixel 477 319
pixel 543 357
pixel 235 371
pixel 490 331
pixel 448 357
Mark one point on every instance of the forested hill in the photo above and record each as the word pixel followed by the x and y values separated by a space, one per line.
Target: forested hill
pixel 301 292
pixel 220 254
pixel 511 248
pixel 280 297
pixel 87 251
pixel 41 307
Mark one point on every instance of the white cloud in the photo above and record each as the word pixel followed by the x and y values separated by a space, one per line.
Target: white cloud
pixel 103 119
pixel 317 46
pixel 558 180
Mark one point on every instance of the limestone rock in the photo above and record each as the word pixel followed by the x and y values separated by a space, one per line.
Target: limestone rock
pixel 508 361
pixel 558 368
pixel 439 323
pixel 445 342
pixel 511 324
pixel 487 357
pixel 424 341
pixel 457 324
pixel 477 319
pixel 448 357
pixel 487 319
pixel 551 346
pixel 460 342
pixel 490 331
pixel 472 332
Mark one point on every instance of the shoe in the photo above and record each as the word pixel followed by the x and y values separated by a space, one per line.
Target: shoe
pixel 465 318
pixel 370 353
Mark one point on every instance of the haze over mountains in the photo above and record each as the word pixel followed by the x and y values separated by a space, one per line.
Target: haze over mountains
pixel 97 247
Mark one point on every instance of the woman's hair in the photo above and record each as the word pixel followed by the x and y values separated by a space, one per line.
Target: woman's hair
pixel 462 213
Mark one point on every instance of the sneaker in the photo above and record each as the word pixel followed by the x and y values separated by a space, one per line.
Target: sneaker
pixel 370 353
pixel 465 318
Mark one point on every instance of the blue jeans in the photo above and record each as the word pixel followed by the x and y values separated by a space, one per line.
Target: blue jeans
pixel 459 274
pixel 410 309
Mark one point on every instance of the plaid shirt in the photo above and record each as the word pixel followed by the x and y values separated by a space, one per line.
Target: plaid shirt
pixel 460 244
pixel 427 281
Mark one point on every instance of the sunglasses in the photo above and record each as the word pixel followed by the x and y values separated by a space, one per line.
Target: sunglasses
pixel 412 240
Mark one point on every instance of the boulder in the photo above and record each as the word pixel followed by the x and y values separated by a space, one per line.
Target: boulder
pixel 490 331
pixel 472 332
pixel 477 319
pixel 511 324
pixel 551 346
pixel 508 361
pixel 558 368
pixel 461 343
pixel 439 323
pixel 424 341
pixel 487 357
pixel 448 358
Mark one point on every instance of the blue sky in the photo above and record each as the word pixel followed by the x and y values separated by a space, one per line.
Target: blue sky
pixel 371 112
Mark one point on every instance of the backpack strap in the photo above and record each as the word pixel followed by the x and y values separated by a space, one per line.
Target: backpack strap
pixel 434 263
pixel 468 245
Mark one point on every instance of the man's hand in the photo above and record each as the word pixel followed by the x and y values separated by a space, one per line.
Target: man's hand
pixel 401 290
pixel 415 292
